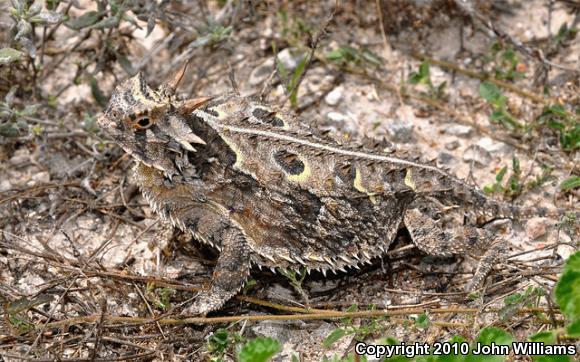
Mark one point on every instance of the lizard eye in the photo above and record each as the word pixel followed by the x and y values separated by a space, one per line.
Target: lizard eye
pixel 144 122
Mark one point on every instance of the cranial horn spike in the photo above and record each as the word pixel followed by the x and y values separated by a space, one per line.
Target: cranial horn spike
pixel 193 138
pixel 171 85
pixel 192 104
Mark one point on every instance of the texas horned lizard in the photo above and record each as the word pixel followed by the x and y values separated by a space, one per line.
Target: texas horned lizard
pixel 263 188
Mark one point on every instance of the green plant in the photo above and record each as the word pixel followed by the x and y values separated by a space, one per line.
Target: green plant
pixel 541 179
pixel 564 35
pixel 293 27
pixel 259 350
pixel 514 302
pixel 556 117
pixel 14 120
pixel 296 277
pixel 16 312
pixel 567 294
pixel 159 297
pixel 220 341
pixel 350 55
pixel 26 15
pixel 507 64
pixel 492 94
pixel 423 76
pixel 292 81
pixel 572 182
pixel 361 331
pixel 513 186
pixel 349 358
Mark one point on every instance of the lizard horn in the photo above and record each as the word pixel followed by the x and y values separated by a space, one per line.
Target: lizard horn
pixel 171 85
pixel 192 104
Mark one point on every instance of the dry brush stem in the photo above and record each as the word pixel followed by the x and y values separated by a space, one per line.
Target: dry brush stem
pixel 116 321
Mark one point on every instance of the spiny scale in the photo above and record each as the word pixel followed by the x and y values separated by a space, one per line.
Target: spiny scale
pixel 264 188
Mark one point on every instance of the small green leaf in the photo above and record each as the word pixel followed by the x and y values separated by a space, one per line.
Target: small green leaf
pixel 556 125
pixel 568 289
pixel 9 55
pixel 334 336
pixel 24 304
pixel 570 183
pixel 516 165
pixel 453 357
pixel 490 92
pixel 422 321
pixel 110 22
pixel 570 139
pixel 498 116
pixel 259 350
pixel 126 64
pixel 293 85
pixel 52 4
pixel 218 341
pixel 557 109
pixel 371 57
pixel 547 337
pixel 8 130
pixel 47 17
pixel 487 336
pixel 495 335
pixel 97 93
pixel 500 175
pixel 87 19
pixel 573 329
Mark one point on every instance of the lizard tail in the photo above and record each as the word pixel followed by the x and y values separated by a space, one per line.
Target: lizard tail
pixel 500 209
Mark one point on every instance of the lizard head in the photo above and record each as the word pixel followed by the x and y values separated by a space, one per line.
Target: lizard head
pixel 151 124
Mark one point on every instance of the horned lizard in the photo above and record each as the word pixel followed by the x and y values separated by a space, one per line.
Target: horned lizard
pixel 262 187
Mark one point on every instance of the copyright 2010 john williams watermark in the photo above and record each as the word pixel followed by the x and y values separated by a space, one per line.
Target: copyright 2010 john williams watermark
pixel 463 348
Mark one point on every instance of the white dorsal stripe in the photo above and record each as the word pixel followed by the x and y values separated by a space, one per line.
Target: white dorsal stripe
pixel 332 149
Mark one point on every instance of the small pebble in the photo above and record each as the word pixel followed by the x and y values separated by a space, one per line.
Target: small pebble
pixel 535 228
pixel 493 147
pixel 334 96
pixel 459 130
pixel 445 158
pixel 336 117
pixel 478 155
pixel 452 145
pixel 289 58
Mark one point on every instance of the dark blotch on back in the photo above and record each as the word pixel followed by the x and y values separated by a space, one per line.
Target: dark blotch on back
pixel 211 111
pixel 290 162
pixel 267 117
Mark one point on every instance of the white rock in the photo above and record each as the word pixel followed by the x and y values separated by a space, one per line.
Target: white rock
pixel 334 96
pixel 492 146
pixel 459 130
pixel 336 117
pixel 290 58
pixel 41 177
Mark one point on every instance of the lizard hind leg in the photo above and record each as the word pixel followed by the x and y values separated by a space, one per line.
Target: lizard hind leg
pixel 432 238
pixel 229 275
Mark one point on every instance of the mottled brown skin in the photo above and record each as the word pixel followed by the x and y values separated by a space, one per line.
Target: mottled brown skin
pixel 264 189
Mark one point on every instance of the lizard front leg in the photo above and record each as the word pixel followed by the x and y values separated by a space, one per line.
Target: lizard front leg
pixel 188 207
pixel 229 275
